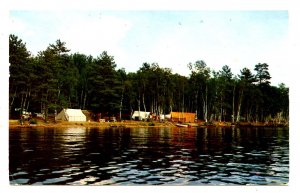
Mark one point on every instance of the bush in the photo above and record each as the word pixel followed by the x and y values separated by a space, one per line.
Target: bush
pixel 151 124
pixel 33 121
pixel 21 121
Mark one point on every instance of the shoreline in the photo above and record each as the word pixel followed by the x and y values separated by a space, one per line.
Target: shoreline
pixel 134 124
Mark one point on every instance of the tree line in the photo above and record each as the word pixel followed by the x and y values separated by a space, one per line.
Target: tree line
pixel 55 79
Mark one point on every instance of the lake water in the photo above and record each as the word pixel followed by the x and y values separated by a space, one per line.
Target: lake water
pixel 149 156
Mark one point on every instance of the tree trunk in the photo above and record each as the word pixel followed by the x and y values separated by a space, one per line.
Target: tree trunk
pixel 248 114
pixel 144 102
pixel 21 104
pixel 84 100
pixel 81 98
pixel 233 107
pixel 221 109
pixel 28 101
pixel 121 104
pixel 183 99
pixel 206 109
pixel 171 103
pixel 151 105
pixel 46 106
pixel 139 105
pixel 256 114
pixel 12 100
pixel 58 94
pixel 155 107
pixel 205 104
pixel 46 112
pixel 131 110
pixel 23 100
pixel 239 106
pixel 70 103
pixel 196 103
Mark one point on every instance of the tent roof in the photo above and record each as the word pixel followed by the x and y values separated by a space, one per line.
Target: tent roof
pixel 71 115
pixel 141 112
pixel 74 112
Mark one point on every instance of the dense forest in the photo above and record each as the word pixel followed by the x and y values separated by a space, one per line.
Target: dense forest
pixel 55 79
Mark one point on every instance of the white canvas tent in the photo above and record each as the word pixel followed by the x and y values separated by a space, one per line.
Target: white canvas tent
pixel 140 115
pixel 71 115
pixel 168 116
pixel 163 117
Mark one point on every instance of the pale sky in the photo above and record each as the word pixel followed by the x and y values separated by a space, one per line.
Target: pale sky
pixel 170 38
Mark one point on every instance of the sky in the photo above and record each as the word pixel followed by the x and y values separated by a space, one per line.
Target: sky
pixel 170 38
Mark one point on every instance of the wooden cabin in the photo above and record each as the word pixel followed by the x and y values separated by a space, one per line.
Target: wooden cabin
pixel 183 117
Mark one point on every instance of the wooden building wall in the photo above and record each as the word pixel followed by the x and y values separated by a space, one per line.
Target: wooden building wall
pixel 183 117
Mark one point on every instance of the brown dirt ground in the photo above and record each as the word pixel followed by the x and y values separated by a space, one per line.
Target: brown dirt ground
pixel 62 124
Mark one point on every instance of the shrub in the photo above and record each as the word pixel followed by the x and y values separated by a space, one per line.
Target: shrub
pixel 21 121
pixel 33 121
pixel 151 124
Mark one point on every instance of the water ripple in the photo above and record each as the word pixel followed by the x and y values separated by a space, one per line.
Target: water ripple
pixel 148 156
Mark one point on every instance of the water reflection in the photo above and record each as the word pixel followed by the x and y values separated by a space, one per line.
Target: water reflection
pixel 154 156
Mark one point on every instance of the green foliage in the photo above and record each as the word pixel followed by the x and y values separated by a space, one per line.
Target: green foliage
pixel 103 85
pixel 262 75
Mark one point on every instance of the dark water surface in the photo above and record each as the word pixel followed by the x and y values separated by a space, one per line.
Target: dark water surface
pixel 149 156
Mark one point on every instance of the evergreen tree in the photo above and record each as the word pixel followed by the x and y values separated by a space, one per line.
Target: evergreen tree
pixel 246 79
pixel 103 86
pixel 262 73
pixel 19 68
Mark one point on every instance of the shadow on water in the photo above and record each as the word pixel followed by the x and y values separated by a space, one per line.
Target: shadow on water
pixel 152 156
